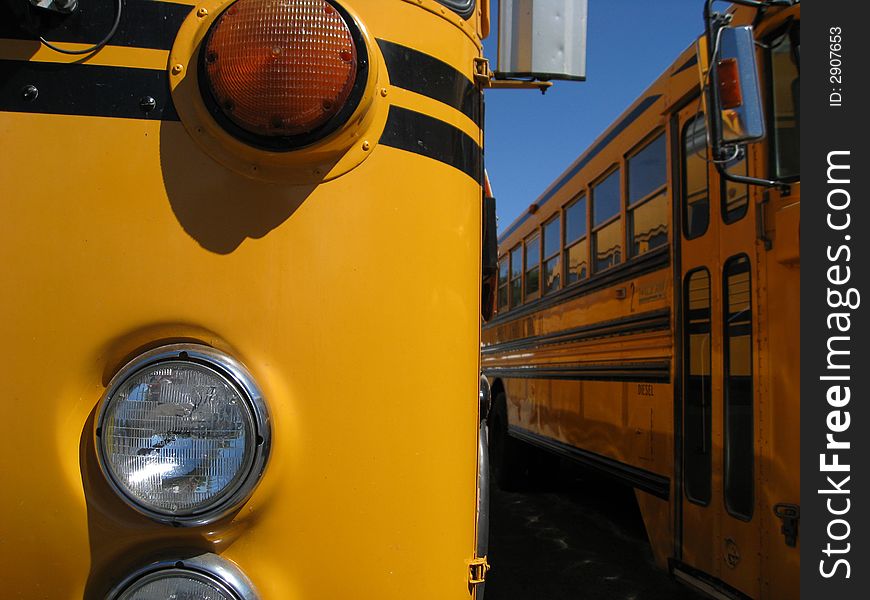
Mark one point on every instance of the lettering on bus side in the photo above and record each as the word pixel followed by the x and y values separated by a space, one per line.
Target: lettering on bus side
pixel 651 292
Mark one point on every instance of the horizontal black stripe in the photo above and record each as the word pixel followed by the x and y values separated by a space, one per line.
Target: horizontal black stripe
pixel 430 137
pixel 647 263
pixel 423 74
pixel 587 157
pixel 144 24
pixel 690 62
pixel 652 321
pixel 647 481
pixel 646 372
pixel 83 89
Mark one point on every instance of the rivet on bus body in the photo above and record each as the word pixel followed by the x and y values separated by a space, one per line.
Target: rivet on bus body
pixel 366 146
pixel 147 103
pixel 177 69
pixel 384 92
pixel 202 12
pixel 29 93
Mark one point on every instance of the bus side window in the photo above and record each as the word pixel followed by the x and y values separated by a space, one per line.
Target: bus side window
pixel 698 420
pixel 503 284
pixel 785 92
pixel 576 251
pixel 606 226
pixel 695 188
pixel 552 244
pixel 737 345
pixel 735 196
pixel 533 266
pixel 516 276
pixel 647 198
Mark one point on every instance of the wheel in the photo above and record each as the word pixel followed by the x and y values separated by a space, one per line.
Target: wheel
pixel 509 458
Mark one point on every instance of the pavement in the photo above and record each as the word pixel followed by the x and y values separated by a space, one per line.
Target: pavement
pixel 577 537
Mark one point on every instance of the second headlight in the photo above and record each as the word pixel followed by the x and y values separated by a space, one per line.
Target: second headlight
pixel 183 434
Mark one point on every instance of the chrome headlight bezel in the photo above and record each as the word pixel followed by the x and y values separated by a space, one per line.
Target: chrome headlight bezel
pixel 240 379
pixel 217 571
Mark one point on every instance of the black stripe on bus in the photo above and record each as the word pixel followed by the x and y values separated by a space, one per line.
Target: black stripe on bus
pixel 691 62
pixel 646 481
pixel 659 320
pixel 143 24
pixel 415 132
pixel 654 260
pixel 644 372
pixel 587 157
pixel 423 74
pixel 87 90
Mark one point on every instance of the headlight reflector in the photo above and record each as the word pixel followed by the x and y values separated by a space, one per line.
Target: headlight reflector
pixel 204 576
pixel 175 584
pixel 182 434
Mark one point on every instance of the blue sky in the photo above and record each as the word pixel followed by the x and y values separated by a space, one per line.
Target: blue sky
pixel 531 139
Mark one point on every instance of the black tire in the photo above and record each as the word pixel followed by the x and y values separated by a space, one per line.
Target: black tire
pixel 509 458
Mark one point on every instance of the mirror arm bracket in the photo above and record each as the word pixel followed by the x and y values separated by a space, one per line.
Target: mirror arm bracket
pixel 484 77
pixel 723 172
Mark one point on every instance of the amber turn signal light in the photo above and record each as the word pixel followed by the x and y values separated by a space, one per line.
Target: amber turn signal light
pixel 730 95
pixel 283 73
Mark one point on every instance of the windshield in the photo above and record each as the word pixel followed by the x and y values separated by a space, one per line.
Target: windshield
pixel 463 8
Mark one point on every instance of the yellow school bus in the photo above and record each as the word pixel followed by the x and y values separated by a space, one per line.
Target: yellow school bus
pixel 235 234
pixel 647 318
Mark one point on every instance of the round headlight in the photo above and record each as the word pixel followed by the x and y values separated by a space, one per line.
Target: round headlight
pixel 205 576
pixel 183 434
pixel 176 584
pixel 281 75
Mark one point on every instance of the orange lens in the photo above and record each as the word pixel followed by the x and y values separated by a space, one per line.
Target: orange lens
pixel 730 95
pixel 280 68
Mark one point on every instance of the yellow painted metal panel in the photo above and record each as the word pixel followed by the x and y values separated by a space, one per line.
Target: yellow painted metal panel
pixel 354 303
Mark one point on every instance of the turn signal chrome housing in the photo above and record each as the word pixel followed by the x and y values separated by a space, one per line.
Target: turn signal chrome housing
pixel 281 90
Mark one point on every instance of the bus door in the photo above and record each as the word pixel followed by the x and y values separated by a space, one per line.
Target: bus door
pixel 719 277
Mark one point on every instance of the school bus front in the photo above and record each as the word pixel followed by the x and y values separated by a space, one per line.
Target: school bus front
pixel 224 269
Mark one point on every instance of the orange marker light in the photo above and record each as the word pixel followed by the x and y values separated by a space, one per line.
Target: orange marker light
pixel 280 68
pixel 730 94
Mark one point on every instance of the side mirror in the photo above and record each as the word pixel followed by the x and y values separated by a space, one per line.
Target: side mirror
pixel 542 39
pixel 735 91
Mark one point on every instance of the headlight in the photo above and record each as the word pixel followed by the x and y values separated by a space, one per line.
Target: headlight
pixel 204 576
pixel 183 434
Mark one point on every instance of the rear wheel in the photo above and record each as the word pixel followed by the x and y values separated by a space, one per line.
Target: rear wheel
pixel 509 458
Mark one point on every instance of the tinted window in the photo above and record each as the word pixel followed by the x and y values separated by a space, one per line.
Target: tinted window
pixel 605 199
pixel 739 455
pixel 578 262
pixel 786 103
pixel 552 264
pixel 533 266
pixel 607 245
pixel 517 276
pixel 575 221
pixel 648 225
pixel 698 388
pixel 503 283
pixel 463 8
pixel 552 241
pixel 735 196
pixel 647 170
pixel 695 188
